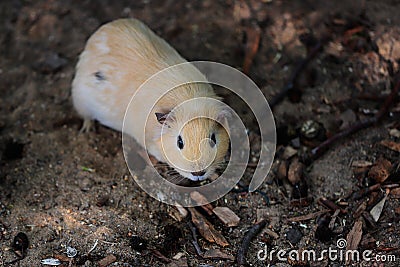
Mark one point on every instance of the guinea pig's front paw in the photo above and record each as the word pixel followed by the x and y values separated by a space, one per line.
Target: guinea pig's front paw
pixel 87 126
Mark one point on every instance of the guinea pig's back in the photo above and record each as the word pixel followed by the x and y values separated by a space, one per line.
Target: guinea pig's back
pixel 117 59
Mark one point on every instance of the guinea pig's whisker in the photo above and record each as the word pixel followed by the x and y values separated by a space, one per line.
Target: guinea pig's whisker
pixel 161 165
pixel 171 172
pixel 250 164
pixel 176 179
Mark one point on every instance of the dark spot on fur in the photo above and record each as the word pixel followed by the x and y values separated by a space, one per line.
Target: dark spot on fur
pixel 99 76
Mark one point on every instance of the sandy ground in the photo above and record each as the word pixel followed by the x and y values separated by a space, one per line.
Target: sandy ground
pixel 65 189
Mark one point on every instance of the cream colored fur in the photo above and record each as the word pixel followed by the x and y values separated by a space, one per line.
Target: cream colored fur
pixel 126 53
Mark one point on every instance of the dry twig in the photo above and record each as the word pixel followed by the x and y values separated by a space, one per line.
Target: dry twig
pixel 295 74
pixel 320 149
pixel 244 247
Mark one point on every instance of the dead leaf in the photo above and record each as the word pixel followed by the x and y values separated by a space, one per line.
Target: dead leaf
pixel 107 260
pixel 334 48
pixel 295 172
pixel 376 211
pixel 253 33
pixel 181 210
pixel 361 164
pixel 177 212
pixel 217 254
pixel 395 193
pixel 354 237
pixel 206 229
pixel 227 216
pixel 178 256
pixel 361 168
pixel 331 224
pixel 381 170
pixel 289 152
pixel 178 263
pixel 202 201
pixel 282 170
pixel 391 145
pixel 360 209
pixel 374 198
pixel 270 233
pixel 160 256
pixel 307 216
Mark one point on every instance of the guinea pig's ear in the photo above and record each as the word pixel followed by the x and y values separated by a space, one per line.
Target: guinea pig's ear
pixel 163 118
pixel 224 113
pixel 223 117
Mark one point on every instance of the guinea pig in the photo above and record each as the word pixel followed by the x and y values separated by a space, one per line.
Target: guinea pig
pixel 117 59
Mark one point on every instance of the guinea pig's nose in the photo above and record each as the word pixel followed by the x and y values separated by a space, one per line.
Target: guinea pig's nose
pixel 199 173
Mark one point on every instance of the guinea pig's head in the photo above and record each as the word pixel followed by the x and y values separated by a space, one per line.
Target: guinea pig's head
pixel 196 146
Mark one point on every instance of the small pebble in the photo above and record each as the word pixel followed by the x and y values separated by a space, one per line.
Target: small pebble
pixel 71 252
pixel 294 235
pixel 20 243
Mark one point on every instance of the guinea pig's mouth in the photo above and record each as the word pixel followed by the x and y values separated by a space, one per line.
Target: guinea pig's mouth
pixel 195 177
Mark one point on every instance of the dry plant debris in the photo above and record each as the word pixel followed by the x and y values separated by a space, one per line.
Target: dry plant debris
pixel 206 229
pixel 227 216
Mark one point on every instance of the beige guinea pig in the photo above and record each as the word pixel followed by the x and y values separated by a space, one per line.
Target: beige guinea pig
pixel 117 59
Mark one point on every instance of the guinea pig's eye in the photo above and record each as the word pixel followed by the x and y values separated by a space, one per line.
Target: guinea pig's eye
pixel 213 140
pixel 180 142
